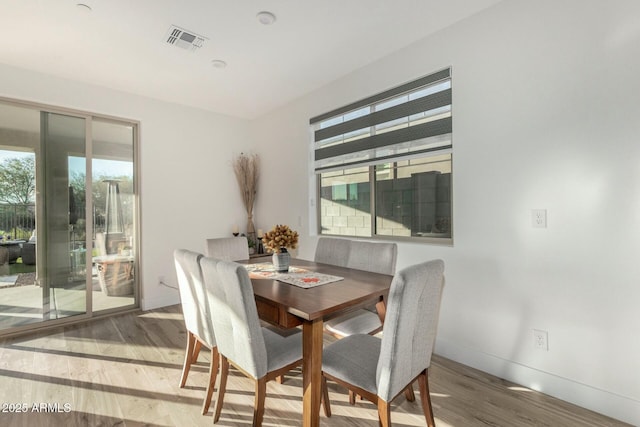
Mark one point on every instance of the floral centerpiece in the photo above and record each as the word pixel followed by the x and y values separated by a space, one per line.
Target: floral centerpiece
pixel 278 240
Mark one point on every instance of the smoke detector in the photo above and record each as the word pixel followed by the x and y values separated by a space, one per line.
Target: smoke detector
pixel 266 18
pixel 184 39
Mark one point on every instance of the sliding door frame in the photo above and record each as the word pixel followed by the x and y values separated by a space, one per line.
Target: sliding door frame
pixel 89 314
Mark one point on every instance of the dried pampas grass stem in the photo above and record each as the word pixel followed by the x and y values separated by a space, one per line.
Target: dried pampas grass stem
pixel 247 170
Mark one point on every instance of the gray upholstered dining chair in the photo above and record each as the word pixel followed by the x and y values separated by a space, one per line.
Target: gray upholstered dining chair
pixel 331 250
pixel 258 352
pixel 231 249
pixel 369 256
pixel 379 369
pixel 228 248
pixel 197 317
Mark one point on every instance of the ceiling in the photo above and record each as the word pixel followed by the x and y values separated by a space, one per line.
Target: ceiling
pixel 120 44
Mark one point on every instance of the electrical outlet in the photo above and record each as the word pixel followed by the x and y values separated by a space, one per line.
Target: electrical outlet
pixel 539 218
pixel 541 339
pixel 160 280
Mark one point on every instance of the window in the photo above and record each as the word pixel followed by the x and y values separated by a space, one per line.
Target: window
pixel 383 164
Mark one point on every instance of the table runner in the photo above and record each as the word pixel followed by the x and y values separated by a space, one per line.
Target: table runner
pixel 295 276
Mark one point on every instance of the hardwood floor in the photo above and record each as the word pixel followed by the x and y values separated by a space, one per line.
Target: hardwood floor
pixel 125 371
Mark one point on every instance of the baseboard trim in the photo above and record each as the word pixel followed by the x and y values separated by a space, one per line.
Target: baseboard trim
pixel 604 402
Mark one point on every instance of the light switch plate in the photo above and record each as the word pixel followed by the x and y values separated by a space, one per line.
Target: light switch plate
pixel 539 218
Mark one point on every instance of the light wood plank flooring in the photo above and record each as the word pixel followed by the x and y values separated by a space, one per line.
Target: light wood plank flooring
pixel 124 371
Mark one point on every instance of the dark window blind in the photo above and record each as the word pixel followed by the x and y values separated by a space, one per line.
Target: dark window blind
pixel 407 120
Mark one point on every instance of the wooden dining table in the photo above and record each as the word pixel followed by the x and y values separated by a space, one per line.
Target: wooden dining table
pixel 289 306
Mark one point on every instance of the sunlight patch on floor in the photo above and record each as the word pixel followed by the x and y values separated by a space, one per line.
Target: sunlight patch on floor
pixel 439 395
pixel 518 388
pixel 162 316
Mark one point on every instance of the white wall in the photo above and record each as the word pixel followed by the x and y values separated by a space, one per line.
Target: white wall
pixel 546 107
pixel 188 188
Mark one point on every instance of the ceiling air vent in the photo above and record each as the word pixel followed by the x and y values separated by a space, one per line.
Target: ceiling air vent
pixel 187 40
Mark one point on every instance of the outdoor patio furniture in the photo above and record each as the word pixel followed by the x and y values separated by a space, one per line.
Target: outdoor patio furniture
pixel 29 253
pixel 14 248
pixel 115 274
pixel 4 261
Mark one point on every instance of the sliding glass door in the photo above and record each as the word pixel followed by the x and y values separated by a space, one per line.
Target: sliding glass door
pixel 68 216
pixel 65 290
pixel 113 214
pixel 21 296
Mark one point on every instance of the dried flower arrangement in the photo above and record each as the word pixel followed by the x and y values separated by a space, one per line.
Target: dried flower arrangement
pixel 247 170
pixel 279 238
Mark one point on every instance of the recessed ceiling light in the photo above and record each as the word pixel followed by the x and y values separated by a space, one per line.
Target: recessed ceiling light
pixel 266 18
pixel 84 7
pixel 218 63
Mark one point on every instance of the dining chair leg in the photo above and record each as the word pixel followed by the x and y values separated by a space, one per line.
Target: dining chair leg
pixel 258 408
pixel 384 413
pixel 191 340
pixel 408 393
pixel 425 397
pixel 196 351
pixel 213 373
pixel 224 372
pixel 381 309
pixel 325 397
pixel 352 398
